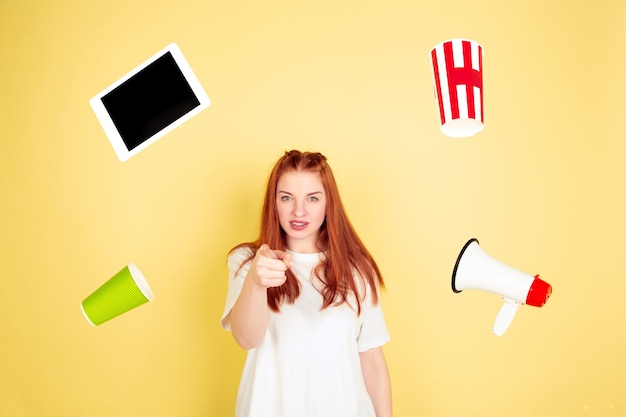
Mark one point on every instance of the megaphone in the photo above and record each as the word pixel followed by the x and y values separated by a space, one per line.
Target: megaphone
pixel 475 269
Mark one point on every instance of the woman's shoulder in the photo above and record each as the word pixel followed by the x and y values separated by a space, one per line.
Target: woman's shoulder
pixel 239 255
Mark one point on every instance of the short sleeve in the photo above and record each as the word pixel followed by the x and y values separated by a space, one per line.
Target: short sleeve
pixel 374 331
pixel 236 276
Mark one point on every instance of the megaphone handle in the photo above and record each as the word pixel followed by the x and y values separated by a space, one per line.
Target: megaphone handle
pixel 505 316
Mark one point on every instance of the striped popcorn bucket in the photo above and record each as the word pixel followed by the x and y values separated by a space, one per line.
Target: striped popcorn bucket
pixel 458 76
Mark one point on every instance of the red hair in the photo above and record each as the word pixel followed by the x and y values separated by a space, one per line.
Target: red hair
pixel 346 257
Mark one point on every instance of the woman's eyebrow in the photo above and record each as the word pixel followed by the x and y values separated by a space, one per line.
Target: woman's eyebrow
pixel 311 193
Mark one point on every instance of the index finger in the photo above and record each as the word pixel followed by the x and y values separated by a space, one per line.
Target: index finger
pixel 275 254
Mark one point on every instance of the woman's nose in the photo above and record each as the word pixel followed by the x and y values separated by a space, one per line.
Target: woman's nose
pixel 298 208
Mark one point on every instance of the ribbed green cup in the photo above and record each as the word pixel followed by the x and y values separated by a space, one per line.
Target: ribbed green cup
pixel 124 291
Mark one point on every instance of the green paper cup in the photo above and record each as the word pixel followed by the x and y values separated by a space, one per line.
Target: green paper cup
pixel 124 291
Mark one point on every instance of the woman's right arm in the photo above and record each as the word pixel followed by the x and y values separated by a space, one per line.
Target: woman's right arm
pixel 249 316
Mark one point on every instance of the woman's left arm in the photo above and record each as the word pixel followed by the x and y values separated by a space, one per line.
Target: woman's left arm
pixel 377 381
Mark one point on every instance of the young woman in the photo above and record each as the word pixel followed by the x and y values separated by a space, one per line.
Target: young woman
pixel 303 299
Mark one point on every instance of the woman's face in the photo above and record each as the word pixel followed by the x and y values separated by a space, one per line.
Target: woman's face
pixel 301 206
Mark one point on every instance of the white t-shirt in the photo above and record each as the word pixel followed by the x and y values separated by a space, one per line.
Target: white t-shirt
pixel 308 363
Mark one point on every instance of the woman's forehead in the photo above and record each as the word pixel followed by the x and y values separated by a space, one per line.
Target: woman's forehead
pixel 300 180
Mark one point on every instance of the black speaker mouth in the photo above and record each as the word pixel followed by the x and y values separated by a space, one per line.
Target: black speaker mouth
pixel 458 260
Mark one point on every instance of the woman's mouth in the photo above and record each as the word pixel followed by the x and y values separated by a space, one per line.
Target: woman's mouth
pixel 298 225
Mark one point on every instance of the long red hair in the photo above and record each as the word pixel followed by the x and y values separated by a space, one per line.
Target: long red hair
pixel 346 257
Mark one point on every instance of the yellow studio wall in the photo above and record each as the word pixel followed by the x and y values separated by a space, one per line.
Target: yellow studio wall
pixel 542 188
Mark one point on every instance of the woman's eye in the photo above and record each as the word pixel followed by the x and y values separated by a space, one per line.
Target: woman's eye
pixel 285 198
pixel 313 199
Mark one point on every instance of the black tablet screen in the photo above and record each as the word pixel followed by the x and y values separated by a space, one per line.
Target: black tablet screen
pixel 149 101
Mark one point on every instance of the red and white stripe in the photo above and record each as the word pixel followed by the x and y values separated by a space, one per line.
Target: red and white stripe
pixel 457 69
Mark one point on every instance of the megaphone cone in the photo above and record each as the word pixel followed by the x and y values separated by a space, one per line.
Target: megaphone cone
pixel 475 269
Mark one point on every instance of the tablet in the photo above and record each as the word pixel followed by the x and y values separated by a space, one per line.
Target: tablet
pixel 149 102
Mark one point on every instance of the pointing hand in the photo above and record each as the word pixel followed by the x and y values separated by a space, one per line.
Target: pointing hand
pixel 269 267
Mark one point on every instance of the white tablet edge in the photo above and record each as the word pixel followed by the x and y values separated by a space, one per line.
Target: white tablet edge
pixel 123 153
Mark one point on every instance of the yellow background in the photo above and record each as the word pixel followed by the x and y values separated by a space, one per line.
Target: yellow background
pixel 542 188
